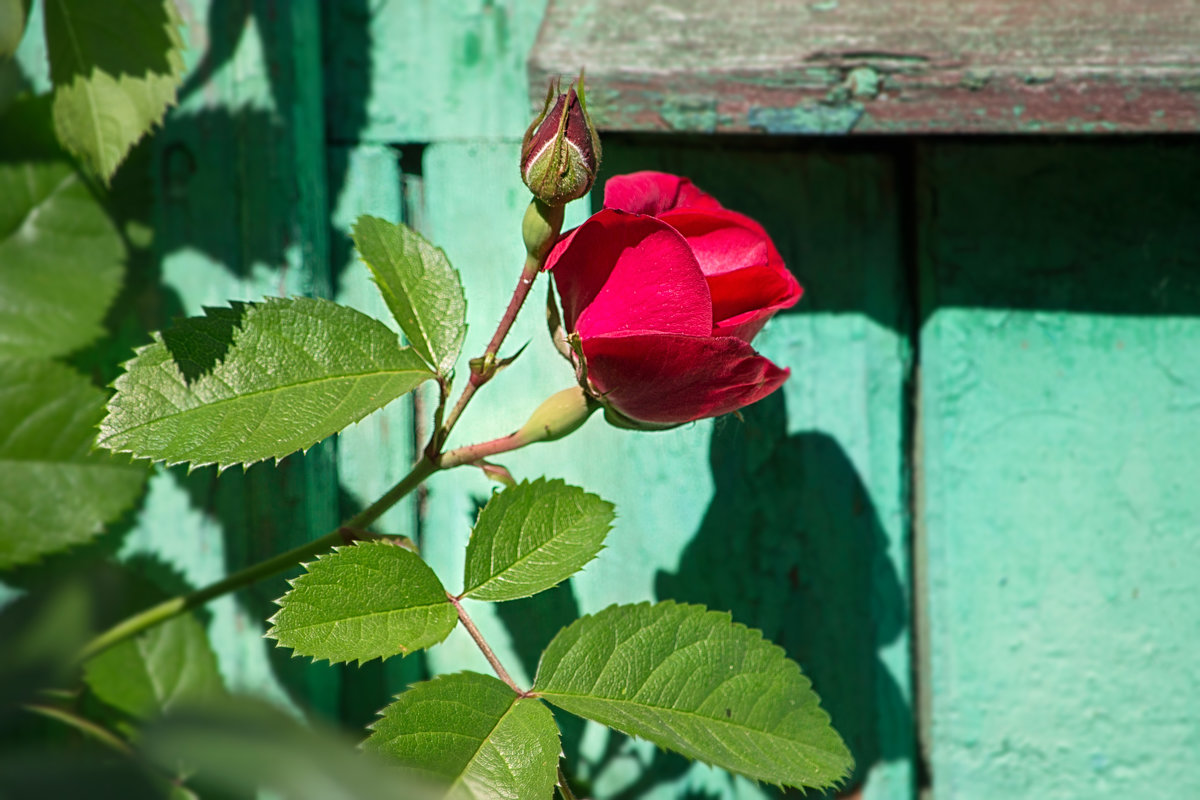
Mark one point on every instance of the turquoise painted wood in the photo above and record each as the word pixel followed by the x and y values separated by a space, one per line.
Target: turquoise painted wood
pixel 999 336
pixel 1060 522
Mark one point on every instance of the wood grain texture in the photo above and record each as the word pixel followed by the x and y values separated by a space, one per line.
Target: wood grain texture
pixel 1061 526
pixel 860 66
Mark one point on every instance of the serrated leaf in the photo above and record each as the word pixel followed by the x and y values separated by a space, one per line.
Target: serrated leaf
pixel 372 600
pixel 419 286
pixel 532 536
pixel 54 492
pixel 291 372
pixel 474 733
pixel 60 261
pixel 170 664
pixel 115 67
pixel 693 681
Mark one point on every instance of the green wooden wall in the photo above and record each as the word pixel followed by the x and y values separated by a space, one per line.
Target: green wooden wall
pixel 971 514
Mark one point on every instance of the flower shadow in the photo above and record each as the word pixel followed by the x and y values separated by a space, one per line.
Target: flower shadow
pixel 791 545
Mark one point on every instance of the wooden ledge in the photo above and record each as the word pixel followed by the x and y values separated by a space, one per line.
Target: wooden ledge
pixel 868 66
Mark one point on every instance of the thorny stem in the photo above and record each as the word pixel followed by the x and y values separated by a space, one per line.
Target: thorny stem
pixel 538 252
pixel 564 788
pixel 488 653
pixel 343 534
pixel 84 726
pixel 481 376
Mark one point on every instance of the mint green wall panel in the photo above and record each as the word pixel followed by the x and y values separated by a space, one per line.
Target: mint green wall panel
pixel 1060 420
pixel 429 70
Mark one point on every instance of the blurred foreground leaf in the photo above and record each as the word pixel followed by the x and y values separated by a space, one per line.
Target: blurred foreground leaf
pixel 60 261
pixel 54 491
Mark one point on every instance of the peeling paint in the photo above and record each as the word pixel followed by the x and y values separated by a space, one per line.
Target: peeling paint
pixel 819 119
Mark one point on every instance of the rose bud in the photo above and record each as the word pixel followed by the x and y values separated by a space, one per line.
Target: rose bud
pixel 561 151
pixel 662 292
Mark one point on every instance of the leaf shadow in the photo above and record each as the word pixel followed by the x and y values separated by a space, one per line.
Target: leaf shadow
pixel 198 344
pixel 116 54
pixel 791 545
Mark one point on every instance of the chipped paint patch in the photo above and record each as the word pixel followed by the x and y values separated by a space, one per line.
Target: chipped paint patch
pixel 806 119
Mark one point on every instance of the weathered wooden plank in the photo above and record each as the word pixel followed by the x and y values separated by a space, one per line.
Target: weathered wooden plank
pixel 1059 408
pixel 859 66
pixel 429 70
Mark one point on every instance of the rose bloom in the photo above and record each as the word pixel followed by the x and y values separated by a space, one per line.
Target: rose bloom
pixel 662 292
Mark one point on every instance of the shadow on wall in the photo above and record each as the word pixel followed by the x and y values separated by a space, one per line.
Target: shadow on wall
pixel 791 545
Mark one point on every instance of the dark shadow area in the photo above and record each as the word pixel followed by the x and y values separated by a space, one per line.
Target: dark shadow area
pixel 93 45
pixel 832 206
pixel 980 209
pixel 1100 226
pixel 792 546
pixel 198 344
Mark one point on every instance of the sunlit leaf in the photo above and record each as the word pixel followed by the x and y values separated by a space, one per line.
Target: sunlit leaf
pixel 372 600
pixel 255 382
pixel 419 286
pixel 475 734
pixel 693 681
pixel 532 536
pixel 115 66
pixel 55 492
pixel 60 261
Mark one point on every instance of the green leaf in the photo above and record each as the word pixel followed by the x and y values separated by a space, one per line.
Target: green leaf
pixel 474 733
pixel 115 67
pixel 419 286
pixel 693 681
pixel 54 492
pixel 532 536
pixel 169 664
pixel 233 747
pixel 13 16
pixel 372 600
pixel 255 382
pixel 60 261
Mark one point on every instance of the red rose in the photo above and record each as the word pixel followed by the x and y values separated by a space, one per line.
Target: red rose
pixel 663 290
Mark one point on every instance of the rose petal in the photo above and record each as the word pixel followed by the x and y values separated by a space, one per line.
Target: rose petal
pixel 743 301
pixel 724 241
pixel 654 193
pixel 670 379
pixel 621 272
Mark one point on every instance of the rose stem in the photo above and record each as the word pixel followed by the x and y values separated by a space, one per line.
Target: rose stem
pixel 343 534
pixel 552 218
pixel 483 645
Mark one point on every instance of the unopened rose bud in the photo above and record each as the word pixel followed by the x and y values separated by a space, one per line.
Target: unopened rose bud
pixel 560 154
